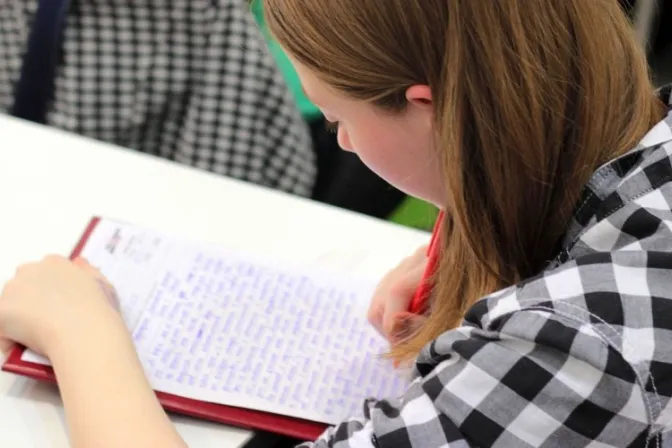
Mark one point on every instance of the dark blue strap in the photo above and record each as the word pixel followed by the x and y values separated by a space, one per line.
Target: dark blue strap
pixel 35 88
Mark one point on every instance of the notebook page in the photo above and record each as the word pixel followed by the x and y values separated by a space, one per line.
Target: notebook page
pixel 236 329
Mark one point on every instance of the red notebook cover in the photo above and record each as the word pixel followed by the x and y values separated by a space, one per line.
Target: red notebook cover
pixel 245 418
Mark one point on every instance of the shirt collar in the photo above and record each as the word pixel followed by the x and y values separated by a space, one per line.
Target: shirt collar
pixel 609 176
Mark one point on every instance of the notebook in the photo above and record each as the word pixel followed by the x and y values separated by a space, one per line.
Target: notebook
pixel 237 337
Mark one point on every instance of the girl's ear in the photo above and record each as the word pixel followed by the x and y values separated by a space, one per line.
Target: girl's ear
pixel 419 95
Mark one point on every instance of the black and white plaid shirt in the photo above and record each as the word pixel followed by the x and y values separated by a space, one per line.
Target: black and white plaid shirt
pixel 187 80
pixel 578 356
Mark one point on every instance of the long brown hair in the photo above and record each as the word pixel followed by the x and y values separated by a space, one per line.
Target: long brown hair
pixel 530 97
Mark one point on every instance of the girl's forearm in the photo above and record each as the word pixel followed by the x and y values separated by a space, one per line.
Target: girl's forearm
pixel 108 399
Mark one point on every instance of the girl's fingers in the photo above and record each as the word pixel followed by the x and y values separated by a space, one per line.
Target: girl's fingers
pixel 5 345
pixel 105 286
pixel 89 268
pixel 404 325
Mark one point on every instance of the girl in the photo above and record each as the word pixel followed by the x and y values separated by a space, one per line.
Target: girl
pixel 534 126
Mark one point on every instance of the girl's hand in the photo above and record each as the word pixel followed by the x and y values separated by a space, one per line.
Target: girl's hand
pixel 66 311
pixel 55 301
pixel 388 311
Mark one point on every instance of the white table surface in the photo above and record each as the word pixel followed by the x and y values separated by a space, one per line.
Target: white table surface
pixel 52 182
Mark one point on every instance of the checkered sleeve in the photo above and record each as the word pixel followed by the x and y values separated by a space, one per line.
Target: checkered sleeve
pixel 531 372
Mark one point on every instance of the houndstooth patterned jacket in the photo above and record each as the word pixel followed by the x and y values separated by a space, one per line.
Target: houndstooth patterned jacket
pixel 190 81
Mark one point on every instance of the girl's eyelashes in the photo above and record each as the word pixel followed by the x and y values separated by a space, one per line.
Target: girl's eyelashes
pixel 332 126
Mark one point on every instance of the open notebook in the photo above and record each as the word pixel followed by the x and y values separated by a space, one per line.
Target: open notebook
pixel 236 337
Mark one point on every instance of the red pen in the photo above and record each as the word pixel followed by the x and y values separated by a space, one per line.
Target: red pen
pixel 420 299
pixel 419 302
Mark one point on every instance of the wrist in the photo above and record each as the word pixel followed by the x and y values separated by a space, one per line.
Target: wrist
pixel 87 338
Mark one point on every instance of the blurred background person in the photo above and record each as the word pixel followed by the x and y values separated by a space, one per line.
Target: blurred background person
pixel 190 81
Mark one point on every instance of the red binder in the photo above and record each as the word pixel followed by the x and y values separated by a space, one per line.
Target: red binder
pixel 245 418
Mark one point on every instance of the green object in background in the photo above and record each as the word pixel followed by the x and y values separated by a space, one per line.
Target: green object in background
pixel 413 212
pixel 306 107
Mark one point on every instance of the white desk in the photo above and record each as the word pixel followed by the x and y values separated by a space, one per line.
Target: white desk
pixel 51 183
